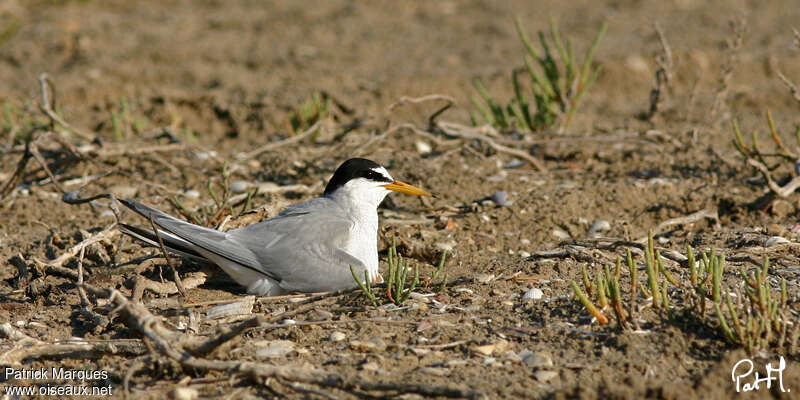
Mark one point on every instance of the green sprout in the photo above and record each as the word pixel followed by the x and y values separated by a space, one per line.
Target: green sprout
pixel 366 289
pixel 758 320
pixel 401 278
pixel 396 289
pixel 316 108
pixel 124 122
pixel 556 88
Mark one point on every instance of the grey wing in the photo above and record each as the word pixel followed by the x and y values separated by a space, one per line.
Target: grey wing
pixel 208 239
pixel 302 247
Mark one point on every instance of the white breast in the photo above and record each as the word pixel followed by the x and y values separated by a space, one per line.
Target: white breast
pixel 358 201
pixel 362 241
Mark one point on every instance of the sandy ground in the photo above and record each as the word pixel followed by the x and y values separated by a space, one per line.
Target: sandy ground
pixel 224 77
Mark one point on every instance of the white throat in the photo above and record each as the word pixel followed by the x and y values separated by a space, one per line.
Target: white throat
pixel 360 199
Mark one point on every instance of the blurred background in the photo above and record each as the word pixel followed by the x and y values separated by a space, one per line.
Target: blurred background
pixel 276 54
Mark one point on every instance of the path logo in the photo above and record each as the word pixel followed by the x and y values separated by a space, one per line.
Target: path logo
pixel 744 368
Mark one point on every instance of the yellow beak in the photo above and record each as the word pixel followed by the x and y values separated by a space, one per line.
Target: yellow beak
pixel 403 187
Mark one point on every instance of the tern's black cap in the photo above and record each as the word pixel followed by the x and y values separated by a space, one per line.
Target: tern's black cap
pixel 352 169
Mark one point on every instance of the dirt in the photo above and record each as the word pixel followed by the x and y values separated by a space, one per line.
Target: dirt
pixel 225 76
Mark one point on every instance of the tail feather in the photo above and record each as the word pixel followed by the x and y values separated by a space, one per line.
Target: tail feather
pixel 172 243
pixel 186 238
pixel 144 210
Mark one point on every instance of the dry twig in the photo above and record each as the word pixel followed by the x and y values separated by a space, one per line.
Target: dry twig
pixel 175 276
pixel 272 146
pixel 663 74
pixel 47 107
pixel 162 340
pixel 57 266
pixel 465 132
pixel 26 347
pixel 782 191
pixel 190 281
pixel 431 97
pixel 739 27
pixel 362 149
pixel 789 84
pixel 684 220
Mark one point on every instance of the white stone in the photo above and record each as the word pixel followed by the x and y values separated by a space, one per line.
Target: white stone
pixel 600 226
pixel 422 147
pixel 533 294
pixel 545 376
pixel 775 240
pixel 275 349
pixel 240 186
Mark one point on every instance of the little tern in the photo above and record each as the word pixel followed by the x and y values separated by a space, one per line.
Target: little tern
pixel 307 247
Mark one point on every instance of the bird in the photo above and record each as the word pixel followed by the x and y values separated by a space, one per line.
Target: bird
pixel 307 247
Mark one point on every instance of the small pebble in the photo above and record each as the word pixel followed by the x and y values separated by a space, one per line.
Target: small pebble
pixel 420 351
pixel 423 325
pixel 107 214
pixel 566 185
pixel 532 294
pixel 536 359
pixel 421 297
pixel 496 178
pixel 514 163
pixel 484 278
pixel 239 186
pixel 488 349
pixel 600 226
pixel 124 191
pixel 545 376
pixel 370 366
pixel 380 345
pixel 524 254
pixel 456 363
pixel 560 234
pixel 449 246
pixel 192 194
pixel 337 336
pixel 367 346
pixel 775 240
pixel 275 349
pixel 659 182
pixel 423 147
pixel 183 393
pixel 781 208
pixel 323 315
pixel 435 371
pixel 205 155
pixel 501 199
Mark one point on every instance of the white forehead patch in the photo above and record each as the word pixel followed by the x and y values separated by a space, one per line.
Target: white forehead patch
pixel 383 172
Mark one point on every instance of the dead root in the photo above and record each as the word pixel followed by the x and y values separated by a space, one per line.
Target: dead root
pixel 25 347
pixel 183 349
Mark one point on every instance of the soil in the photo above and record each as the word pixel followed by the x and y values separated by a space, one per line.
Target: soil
pixel 224 77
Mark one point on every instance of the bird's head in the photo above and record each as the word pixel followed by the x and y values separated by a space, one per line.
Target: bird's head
pixel 367 182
